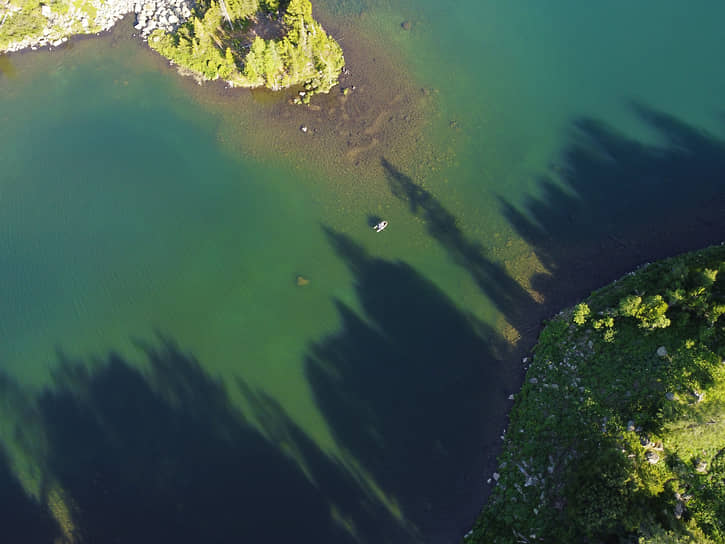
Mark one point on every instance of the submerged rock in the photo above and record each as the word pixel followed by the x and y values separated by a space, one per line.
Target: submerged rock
pixel 302 281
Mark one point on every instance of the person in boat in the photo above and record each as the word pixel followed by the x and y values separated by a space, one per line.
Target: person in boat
pixel 380 226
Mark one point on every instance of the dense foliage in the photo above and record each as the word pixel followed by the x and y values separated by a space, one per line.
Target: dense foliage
pixel 618 434
pixel 252 43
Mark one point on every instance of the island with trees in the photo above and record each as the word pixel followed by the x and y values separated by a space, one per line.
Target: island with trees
pixel 247 43
pixel 618 433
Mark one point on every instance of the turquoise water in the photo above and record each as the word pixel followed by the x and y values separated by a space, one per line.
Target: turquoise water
pixel 158 352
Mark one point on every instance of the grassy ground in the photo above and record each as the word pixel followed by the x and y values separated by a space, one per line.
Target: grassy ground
pixel 618 434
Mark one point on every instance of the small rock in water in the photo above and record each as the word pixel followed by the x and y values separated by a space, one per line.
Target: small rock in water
pixel 406 25
pixel 496 476
pixel 302 281
pixel 511 396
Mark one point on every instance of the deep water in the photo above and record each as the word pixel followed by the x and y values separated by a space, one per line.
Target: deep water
pixel 165 378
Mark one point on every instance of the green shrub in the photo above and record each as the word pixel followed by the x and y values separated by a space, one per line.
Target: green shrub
pixel 581 312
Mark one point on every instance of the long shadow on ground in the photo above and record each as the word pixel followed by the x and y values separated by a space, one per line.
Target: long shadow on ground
pixel 619 203
pixel 415 390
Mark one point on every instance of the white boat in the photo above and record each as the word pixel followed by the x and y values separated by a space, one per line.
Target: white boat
pixel 380 226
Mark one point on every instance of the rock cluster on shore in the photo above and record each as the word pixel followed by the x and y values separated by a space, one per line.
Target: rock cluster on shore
pixel 164 14
pixel 63 21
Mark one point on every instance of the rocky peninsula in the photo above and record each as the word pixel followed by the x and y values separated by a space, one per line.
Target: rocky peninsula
pixel 49 24
pixel 247 43
pixel 618 433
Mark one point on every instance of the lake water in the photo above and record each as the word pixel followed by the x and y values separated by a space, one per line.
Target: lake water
pixel 165 376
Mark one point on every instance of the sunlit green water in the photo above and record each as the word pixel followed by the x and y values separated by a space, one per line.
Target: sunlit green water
pixel 123 218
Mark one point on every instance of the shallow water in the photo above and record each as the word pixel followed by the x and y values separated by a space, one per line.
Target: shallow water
pixel 153 232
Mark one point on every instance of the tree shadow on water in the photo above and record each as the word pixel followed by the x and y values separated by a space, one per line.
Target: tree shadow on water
pixel 510 298
pixel 163 455
pixel 619 202
pixel 415 390
pixel 22 519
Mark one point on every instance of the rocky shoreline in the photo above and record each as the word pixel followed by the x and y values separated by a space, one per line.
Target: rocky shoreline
pixel 64 21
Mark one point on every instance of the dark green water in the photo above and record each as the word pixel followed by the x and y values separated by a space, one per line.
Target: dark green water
pixel 166 379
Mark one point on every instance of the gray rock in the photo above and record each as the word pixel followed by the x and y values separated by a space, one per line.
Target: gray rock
pixel 662 351
pixel 670 396
pixel 652 456
pixel 701 467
